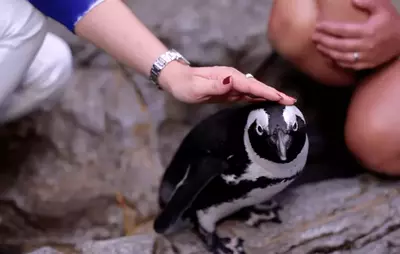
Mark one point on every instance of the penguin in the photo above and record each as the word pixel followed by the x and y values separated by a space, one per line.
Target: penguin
pixel 231 164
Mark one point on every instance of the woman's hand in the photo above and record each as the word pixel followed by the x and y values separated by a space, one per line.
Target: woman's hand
pixel 216 84
pixel 362 45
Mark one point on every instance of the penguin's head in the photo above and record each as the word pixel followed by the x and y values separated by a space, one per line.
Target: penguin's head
pixel 276 132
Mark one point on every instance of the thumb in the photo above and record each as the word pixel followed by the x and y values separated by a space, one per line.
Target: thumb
pixel 366 5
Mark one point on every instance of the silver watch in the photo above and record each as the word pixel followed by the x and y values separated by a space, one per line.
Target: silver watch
pixel 162 61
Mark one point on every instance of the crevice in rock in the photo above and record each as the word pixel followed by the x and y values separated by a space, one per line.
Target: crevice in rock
pixel 350 244
pixel 39 228
pixel 29 220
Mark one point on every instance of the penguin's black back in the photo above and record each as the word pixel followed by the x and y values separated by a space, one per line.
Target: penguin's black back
pixel 219 135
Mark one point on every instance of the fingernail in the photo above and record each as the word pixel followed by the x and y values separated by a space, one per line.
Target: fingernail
pixel 293 99
pixel 227 80
pixel 288 97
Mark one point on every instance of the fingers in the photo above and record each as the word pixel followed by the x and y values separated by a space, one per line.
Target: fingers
pixel 367 5
pixel 214 87
pixel 339 44
pixel 232 99
pixel 348 52
pixel 341 30
pixel 346 59
pixel 246 88
pixel 356 66
pixel 342 50
pixel 253 89
pixel 338 56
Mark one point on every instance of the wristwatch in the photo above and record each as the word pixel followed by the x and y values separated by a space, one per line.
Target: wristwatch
pixel 162 61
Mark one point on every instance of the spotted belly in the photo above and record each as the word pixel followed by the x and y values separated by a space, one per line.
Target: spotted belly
pixel 210 216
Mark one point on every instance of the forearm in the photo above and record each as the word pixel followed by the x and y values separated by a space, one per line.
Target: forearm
pixel 113 27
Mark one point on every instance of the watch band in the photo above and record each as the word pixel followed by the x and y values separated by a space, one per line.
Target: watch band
pixel 162 61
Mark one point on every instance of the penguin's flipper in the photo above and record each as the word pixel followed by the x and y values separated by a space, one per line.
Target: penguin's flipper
pixel 198 175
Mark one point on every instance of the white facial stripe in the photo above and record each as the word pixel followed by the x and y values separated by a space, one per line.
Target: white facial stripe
pixel 269 168
pixel 273 169
pixel 260 116
pixel 289 115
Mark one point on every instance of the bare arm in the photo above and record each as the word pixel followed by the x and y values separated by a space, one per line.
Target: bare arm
pixel 113 27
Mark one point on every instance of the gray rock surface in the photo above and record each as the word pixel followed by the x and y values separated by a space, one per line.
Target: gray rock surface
pixel 353 216
pixel 96 143
pixel 134 244
pixel 45 250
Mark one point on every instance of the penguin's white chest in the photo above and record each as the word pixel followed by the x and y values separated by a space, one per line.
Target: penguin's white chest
pixel 211 215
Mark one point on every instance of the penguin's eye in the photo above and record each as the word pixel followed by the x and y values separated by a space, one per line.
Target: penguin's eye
pixel 259 130
pixel 295 126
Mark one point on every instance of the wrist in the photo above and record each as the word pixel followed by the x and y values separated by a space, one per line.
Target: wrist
pixel 173 73
pixel 167 68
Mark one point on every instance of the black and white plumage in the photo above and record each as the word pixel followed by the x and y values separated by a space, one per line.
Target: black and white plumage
pixel 230 164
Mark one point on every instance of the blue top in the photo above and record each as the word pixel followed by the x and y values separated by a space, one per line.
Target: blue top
pixel 66 12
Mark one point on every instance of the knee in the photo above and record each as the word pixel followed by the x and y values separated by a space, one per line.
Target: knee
pixel 21 21
pixel 371 139
pixel 57 56
pixel 53 65
pixel 286 19
pixel 290 28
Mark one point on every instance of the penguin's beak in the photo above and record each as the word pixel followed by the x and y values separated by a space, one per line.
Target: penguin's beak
pixel 282 142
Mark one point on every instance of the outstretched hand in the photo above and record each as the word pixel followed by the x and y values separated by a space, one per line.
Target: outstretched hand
pixel 217 84
pixel 362 45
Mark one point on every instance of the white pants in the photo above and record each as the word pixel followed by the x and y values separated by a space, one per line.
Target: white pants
pixel 34 65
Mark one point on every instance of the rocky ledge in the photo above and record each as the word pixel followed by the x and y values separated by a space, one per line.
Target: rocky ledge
pixel 347 216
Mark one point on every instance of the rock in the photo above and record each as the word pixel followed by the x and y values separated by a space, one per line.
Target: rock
pixel 97 142
pixel 336 216
pixel 359 215
pixel 204 31
pixel 45 250
pixel 341 216
pixel 135 244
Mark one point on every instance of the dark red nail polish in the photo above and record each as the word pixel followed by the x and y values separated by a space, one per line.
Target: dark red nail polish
pixel 227 80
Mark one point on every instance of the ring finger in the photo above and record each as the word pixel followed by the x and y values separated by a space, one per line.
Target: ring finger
pixel 355 66
pixel 346 57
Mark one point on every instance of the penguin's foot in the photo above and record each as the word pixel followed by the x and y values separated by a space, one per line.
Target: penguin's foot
pixel 256 218
pixel 268 206
pixel 226 245
pixel 220 245
pixel 255 215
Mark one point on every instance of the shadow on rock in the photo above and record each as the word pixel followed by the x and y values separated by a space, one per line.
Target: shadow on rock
pixel 18 140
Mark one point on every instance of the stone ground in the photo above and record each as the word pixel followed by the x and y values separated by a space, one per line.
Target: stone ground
pixel 68 172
